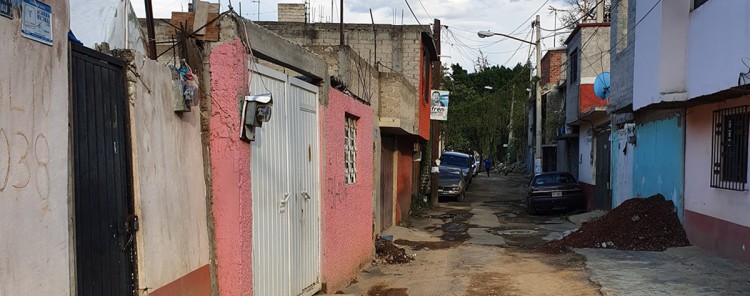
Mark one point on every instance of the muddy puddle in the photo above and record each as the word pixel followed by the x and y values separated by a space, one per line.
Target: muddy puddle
pixel 419 245
pixel 383 290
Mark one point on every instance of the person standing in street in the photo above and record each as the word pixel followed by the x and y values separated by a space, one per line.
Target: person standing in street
pixel 487 165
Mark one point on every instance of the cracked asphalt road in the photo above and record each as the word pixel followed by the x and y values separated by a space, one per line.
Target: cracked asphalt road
pixel 484 245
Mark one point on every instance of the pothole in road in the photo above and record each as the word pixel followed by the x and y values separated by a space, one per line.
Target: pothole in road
pixel 517 232
pixel 455 226
pixel 420 245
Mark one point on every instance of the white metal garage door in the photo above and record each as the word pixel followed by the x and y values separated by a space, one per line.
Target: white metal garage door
pixel 286 188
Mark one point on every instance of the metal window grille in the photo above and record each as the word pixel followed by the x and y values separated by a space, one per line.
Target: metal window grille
pixel 350 150
pixel 729 148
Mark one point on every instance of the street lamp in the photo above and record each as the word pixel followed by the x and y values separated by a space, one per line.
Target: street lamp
pixel 538 121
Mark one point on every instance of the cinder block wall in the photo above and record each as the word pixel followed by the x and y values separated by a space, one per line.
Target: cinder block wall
pixel 292 12
pixel 397 48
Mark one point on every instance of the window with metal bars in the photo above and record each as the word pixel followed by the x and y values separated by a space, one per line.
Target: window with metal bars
pixel 729 148
pixel 350 150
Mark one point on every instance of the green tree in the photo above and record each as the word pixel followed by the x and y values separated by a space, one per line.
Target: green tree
pixel 479 113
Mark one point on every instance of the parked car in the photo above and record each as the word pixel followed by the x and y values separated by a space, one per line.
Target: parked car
pixel 452 183
pixel 461 161
pixel 553 191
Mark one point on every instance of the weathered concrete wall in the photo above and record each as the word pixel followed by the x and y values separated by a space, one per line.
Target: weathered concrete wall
pixel 715 219
pixel 360 78
pixel 347 208
pixel 399 99
pixel 621 176
pixel 292 12
pixel 658 156
pixel 173 238
pixel 230 170
pixel 35 228
pixel 398 47
pixel 623 55
pixel 571 97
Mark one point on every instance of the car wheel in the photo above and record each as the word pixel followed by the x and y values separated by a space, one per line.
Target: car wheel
pixel 530 207
pixel 461 196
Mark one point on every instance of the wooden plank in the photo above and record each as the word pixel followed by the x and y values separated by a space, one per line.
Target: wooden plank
pixel 212 30
pixel 201 17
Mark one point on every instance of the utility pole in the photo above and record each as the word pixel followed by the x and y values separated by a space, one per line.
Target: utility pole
pixel 341 24
pixel 510 124
pixel 150 30
pixel 538 110
pixel 435 132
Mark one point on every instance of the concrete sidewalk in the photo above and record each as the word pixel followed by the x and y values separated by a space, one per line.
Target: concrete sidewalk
pixel 677 271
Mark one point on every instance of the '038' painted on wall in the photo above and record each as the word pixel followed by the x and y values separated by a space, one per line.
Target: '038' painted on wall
pixel 16 169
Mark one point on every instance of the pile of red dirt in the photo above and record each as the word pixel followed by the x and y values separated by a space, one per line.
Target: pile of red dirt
pixel 638 224
pixel 390 253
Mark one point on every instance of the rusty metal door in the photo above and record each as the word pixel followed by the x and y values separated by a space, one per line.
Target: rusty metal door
pixel 104 225
pixel 388 150
pixel 286 188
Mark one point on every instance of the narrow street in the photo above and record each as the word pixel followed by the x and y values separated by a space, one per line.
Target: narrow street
pixel 482 246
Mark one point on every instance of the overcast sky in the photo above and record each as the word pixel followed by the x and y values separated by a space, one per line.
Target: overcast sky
pixel 464 18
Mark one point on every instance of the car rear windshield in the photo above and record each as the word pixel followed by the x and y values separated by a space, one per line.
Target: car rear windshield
pixel 449 174
pixel 454 160
pixel 554 179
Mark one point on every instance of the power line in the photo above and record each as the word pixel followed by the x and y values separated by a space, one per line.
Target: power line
pixel 412 13
pixel 425 10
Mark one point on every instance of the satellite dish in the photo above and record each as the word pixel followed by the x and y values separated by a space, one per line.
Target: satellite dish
pixel 601 85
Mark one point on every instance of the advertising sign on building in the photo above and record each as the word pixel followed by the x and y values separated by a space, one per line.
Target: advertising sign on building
pixel 439 104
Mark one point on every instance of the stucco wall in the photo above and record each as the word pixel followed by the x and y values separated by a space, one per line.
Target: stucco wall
pixel 713 59
pixel 173 239
pixel 347 208
pixel 724 204
pixel 715 219
pixel 404 171
pixel 34 160
pixel 230 170
pixel 658 157
pixel 660 64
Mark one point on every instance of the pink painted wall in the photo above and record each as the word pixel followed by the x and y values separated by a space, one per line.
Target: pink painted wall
pixel 230 170
pixel 347 208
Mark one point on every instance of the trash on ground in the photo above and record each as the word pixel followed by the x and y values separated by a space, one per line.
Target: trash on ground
pixel 388 252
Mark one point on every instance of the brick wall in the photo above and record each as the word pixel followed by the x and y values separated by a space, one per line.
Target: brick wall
pixel 292 12
pixel 552 66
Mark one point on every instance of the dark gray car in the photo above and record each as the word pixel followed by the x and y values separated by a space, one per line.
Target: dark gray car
pixel 452 183
pixel 461 161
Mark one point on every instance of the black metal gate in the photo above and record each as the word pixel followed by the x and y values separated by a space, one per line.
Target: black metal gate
pixel 103 197
pixel 602 194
